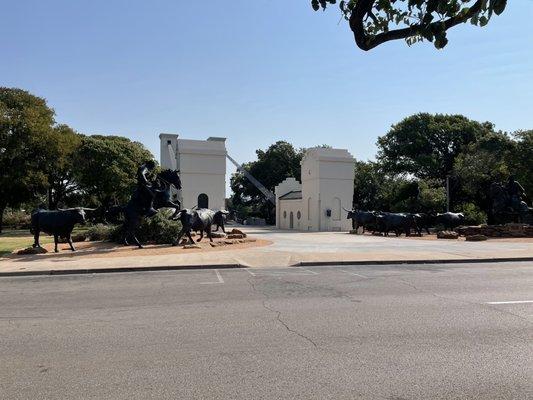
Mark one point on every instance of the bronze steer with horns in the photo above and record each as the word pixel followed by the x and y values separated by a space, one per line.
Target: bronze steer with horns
pixel 58 223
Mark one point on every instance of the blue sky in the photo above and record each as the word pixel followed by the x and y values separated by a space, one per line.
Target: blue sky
pixel 256 71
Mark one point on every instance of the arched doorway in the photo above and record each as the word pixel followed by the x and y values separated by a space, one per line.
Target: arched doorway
pixel 203 201
pixel 291 220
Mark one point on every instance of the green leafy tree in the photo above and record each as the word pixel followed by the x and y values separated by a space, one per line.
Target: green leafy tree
pixel 105 167
pixel 432 196
pixel 25 124
pixel 478 166
pixel 281 160
pixel 62 146
pixel 376 190
pixel 426 145
pixel 521 160
pixel 368 182
pixel 374 22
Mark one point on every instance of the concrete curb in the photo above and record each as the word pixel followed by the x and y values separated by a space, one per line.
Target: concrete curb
pixel 119 269
pixel 240 266
pixel 411 262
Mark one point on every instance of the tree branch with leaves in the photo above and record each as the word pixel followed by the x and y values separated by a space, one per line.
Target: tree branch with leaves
pixel 374 22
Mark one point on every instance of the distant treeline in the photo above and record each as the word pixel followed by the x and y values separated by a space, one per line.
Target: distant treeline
pixel 49 164
pixel 45 163
pixel 409 173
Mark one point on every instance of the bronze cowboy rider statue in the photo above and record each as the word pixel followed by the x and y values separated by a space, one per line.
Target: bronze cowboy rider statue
pixel 517 195
pixel 146 190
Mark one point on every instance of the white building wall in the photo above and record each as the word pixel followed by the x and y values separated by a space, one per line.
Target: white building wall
pixel 288 185
pixel 294 207
pixel 327 184
pixel 202 165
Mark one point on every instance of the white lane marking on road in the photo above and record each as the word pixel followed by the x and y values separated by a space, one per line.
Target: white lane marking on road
pixel 510 302
pixel 219 277
pixel 220 280
pixel 354 274
pixel 277 273
pixel 308 270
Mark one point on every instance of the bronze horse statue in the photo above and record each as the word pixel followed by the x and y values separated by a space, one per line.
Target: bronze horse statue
pixel 158 194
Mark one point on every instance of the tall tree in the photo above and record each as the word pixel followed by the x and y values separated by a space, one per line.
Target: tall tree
pixel 478 166
pixel 374 22
pixel 105 167
pixel 281 160
pixel 426 145
pixel 521 160
pixel 25 124
pixel 62 146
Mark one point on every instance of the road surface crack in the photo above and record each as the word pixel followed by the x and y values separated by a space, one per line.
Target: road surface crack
pixel 278 315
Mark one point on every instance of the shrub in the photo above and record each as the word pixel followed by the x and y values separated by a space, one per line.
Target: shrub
pixel 473 214
pixel 101 232
pixel 158 229
pixel 17 219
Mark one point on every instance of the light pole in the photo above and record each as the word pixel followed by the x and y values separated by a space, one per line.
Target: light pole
pixel 447 193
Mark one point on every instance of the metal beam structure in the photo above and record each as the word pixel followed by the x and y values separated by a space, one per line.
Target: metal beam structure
pixel 267 193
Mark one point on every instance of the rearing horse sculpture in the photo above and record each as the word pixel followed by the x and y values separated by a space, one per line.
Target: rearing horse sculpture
pixel 135 209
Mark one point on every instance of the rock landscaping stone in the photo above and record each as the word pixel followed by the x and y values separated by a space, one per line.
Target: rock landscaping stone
pixel 32 250
pixel 236 236
pixel 237 232
pixel 476 238
pixel 507 230
pixel 447 235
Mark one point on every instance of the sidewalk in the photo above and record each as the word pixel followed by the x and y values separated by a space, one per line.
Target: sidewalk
pixel 280 249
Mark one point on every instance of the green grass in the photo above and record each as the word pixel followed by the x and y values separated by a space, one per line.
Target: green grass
pixel 12 239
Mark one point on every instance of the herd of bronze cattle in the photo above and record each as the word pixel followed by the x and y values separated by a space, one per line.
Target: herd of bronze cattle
pixel 402 223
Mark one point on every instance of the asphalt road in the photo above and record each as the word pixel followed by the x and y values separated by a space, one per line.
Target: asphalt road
pixel 368 332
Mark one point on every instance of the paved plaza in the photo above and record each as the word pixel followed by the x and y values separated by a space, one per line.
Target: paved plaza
pixel 280 248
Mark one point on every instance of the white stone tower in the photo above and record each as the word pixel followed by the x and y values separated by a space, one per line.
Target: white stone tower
pixel 202 165
pixel 327 187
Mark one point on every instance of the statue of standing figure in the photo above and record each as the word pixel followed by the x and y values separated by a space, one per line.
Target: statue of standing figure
pixel 510 200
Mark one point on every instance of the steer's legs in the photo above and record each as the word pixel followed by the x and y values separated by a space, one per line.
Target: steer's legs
pixel 69 238
pixel 136 241
pixel 56 239
pixel 191 240
pixel 177 241
pixel 36 239
pixel 201 236
pixel 208 231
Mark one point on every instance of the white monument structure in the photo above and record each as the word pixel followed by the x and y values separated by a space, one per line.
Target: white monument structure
pixel 202 166
pixel 326 188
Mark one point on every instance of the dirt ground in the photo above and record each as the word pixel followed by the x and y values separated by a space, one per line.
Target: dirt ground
pixel 109 250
